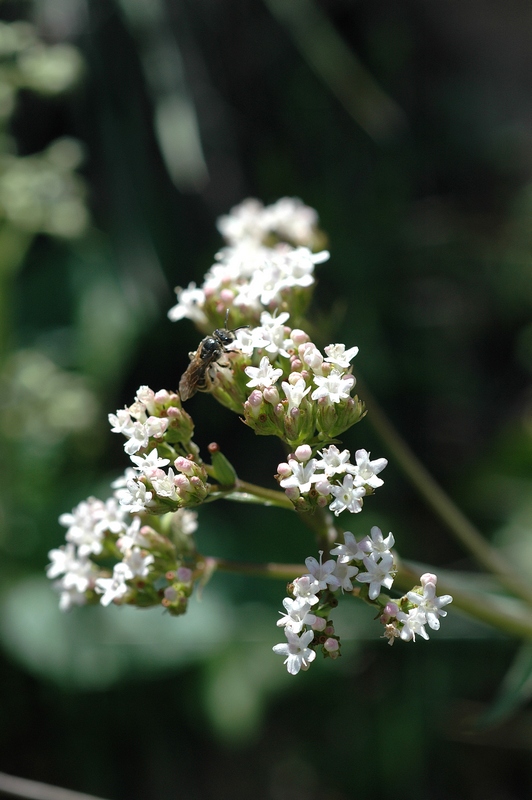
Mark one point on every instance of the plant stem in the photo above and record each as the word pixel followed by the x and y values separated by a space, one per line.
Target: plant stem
pixel 271 497
pixel 469 536
pixel 482 607
pixel 268 570
pixel 513 622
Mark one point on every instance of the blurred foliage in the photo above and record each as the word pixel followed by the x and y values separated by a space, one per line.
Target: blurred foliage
pixel 183 109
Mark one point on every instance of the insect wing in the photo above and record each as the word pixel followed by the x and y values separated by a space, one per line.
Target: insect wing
pixel 192 379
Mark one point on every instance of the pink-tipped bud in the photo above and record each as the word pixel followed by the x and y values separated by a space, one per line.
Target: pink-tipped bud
pixel 319 624
pixel 162 396
pixel 284 470
pixel 255 399
pixel 182 484
pixel 428 577
pixel 299 337
pixel 293 378
pixel 303 452
pixel 227 296
pixel 390 609
pixel 292 493
pixel 323 488
pixel 184 465
pixel 296 364
pixel 184 575
pixel 331 645
pixel 271 395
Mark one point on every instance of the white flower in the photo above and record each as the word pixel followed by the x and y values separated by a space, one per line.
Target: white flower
pixel 185 520
pixel 83 526
pixel 157 426
pixel 264 375
pixel 138 563
pixel 333 461
pixel 138 438
pixel 115 587
pixel 63 559
pixel 244 221
pixel 311 357
pixel 163 484
pixel 137 498
pixel 297 651
pixel 378 574
pixel 274 332
pixel 334 387
pixel 297 615
pixel 302 475
pixel 121 422
pixel 344 573
pixel 349 551
pixel 428 603
pixel 346 496
pixel 366 471
pixel 247 340
pixel 323 573
pixel 190 302
pixel 296 393
pixel 377 544
pixel 338 356
pixel 413 623
pixel 132 537
pixel 306 587
pixel 147 464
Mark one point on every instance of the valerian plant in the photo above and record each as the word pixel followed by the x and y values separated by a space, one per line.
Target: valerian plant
pixel 267 369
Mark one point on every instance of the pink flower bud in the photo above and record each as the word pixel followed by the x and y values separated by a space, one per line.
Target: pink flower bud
pixel 428 577
pixel 184 575
pixel 184 465
pixel 299 337
pixel 227 296
pixel 162 396
pixel 255 398
pixel 303 452
pixel 323 488
pixel 292 493
pixel 390 609
pixel 319 624
pixel 296 364
pixel 284 470
pixel 331 645
pixel 182 485
pixel 271 395
pixel 170 594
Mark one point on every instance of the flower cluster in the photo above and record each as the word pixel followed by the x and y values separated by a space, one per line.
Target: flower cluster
pixel 149 568
pixel 268 264
pixel 156 423
pixel 306 621
pixel 282 384
pixel 330 480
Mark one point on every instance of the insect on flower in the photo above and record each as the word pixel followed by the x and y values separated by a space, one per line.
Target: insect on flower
pixel 196 377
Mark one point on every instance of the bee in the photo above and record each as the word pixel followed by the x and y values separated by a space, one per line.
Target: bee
pixel 196 377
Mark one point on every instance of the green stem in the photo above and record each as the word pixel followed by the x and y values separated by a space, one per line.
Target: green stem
pixel 270 497
pixel 268 570
pixel 471 538
pixel 517 622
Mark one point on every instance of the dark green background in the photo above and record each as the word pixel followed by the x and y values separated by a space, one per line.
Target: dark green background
pixel 428 215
